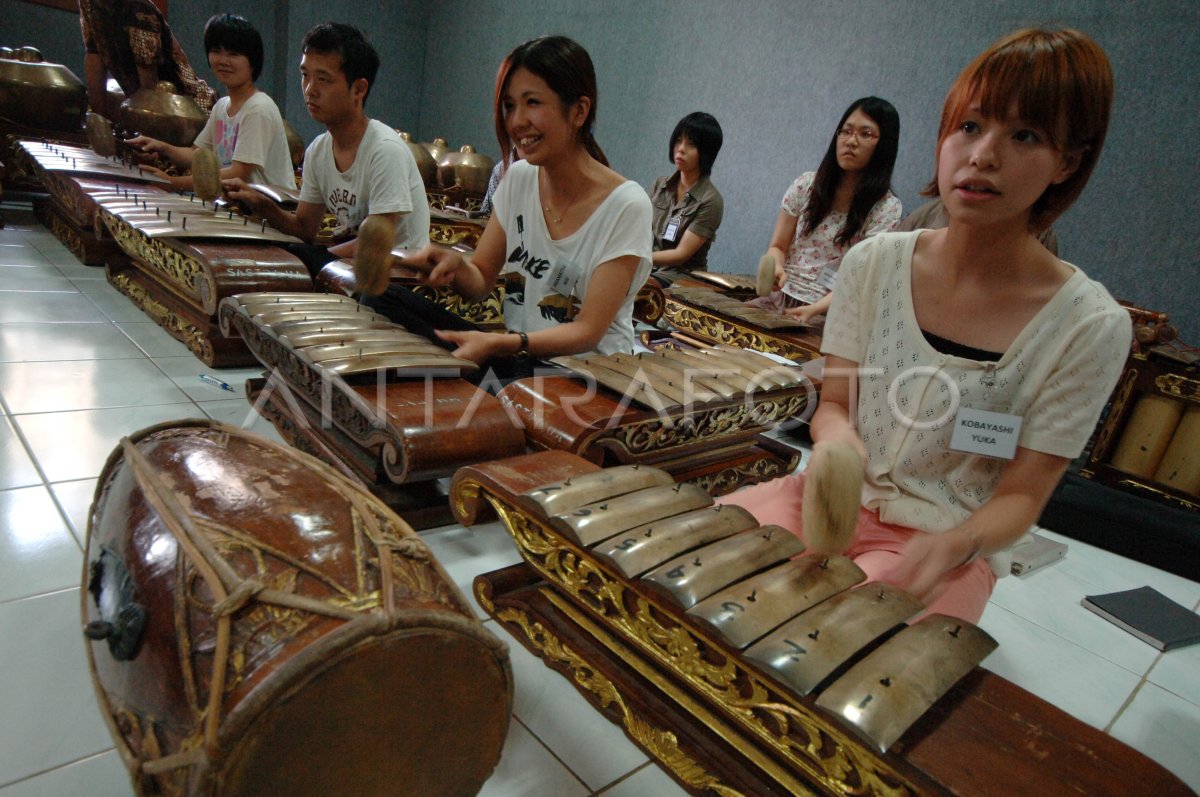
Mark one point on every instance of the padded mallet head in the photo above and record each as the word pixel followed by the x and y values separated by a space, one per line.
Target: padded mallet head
pixel 206 174
pixel 100 135
pixel 832 496
pixel 373 255
pixel 765 279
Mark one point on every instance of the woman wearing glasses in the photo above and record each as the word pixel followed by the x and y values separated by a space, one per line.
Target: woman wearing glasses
pixel 824 213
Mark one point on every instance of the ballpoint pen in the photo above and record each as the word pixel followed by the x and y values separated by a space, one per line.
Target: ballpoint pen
pixel 212 380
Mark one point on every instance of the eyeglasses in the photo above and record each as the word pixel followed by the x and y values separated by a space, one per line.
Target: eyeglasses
pixel 865 136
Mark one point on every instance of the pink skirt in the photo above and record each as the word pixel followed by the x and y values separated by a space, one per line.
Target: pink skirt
pixel 877 547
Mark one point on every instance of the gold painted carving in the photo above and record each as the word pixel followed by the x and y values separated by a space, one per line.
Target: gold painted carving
pixel 720 330
pixel 451 233
pixel 824 752
pixel 464 492
pixel 441 200
pixel 1178 385
pixel 662 744
pixel 184 272
pixel 655 435
pixel 1159 495
pixel 61 229
pixel 648 305
pixel 729 479
pixel 482 595
pixel 1119 402
pixel 182 330
pixel 489 311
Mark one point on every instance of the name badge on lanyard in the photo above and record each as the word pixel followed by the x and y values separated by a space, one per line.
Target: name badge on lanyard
pixel 991 434
pixel 672 231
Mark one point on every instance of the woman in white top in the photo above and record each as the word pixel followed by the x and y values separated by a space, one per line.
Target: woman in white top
pixel 968 365
pixel 571 235
pixel 824 213
pixel 245 128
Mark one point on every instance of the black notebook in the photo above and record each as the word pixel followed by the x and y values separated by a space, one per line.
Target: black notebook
pixel 1149 615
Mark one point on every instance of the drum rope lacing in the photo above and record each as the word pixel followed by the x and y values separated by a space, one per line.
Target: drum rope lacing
pixel 231 591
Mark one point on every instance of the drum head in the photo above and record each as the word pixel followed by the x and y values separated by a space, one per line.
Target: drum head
pixel 416 711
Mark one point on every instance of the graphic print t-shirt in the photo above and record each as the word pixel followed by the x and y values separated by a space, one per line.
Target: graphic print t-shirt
pixel 382 179
pixel 547 277
pixel 254 135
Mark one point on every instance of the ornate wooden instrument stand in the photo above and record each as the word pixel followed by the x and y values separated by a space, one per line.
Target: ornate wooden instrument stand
pixel 717 326
pixel 714 441
pixel 396 435
pixel 179 282
pixel 69 208
pixel 720 723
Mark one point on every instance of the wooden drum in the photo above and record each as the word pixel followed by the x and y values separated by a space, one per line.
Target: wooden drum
pixel 261 625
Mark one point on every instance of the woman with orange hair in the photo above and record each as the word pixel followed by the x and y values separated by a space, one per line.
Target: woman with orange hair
pixel 969 365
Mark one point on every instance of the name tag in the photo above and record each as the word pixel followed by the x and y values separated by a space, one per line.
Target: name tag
pixel 827 279
pixel 563 278
pixel 991 434
pixel 672 230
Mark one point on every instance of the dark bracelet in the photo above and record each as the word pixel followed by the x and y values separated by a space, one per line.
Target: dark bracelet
pixel 524 349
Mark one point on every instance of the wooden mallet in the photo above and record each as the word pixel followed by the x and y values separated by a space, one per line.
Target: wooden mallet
pixel 832 496
pixel 206 175
pixel 100 135
pixel 373 255
pixel 765 279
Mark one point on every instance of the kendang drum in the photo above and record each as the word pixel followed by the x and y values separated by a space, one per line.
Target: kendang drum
pixel 260 625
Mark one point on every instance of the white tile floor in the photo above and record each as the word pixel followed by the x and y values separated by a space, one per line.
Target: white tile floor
pixel 80 366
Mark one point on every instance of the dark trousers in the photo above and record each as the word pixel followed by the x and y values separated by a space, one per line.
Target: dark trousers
pixel 313 257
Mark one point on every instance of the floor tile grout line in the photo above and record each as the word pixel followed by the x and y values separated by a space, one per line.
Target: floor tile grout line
pixel 47 593
pixel 189 400
pixel 46 483
pixel 1128 702
pixel 62 511
pixel 1073 643
pixel 591 792
pixel 609 786
pixel 37 466
pixel 31 776
pixel 552 753
pixel 50 591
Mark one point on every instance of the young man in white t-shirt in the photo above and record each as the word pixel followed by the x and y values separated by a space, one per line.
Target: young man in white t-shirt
pixel 245 128
pixel 358 168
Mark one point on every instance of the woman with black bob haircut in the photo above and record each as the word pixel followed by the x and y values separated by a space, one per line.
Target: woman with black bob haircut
pixel 847 199
pixel 235 35
pixel 245 128
pixel 687 207
pixel 571 235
